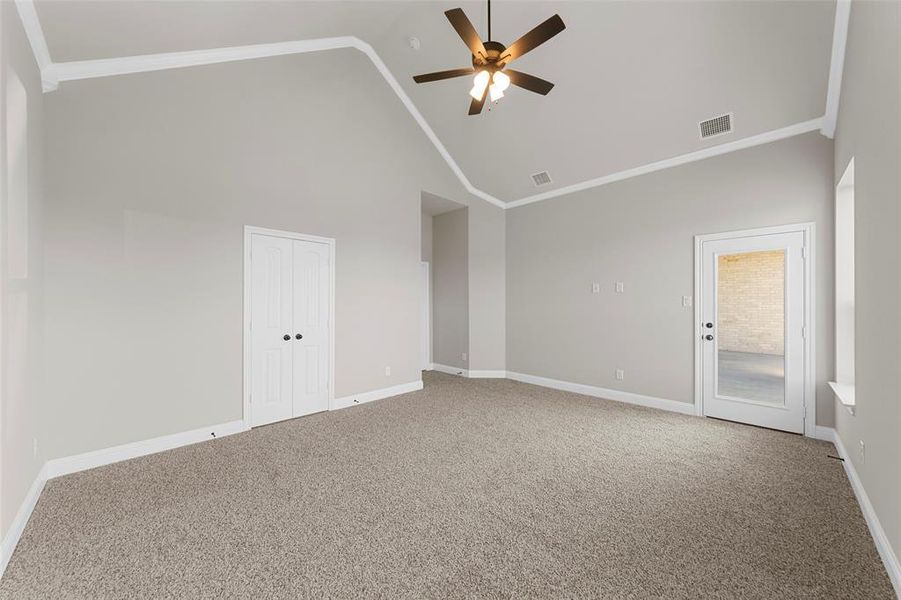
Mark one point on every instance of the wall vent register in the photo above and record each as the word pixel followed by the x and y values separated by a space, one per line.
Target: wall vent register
pixel 540 179
pixel 716 126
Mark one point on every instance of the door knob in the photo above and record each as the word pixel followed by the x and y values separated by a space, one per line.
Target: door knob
pixel 708 337
pixel 286 337
pixel 708 325
pixel 298 336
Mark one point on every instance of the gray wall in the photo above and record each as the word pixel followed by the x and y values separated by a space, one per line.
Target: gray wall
pixel 640 231
pixel 151 178
pixel 21 267
pixel 426 238
pixel 487 288
pixel 869 130
pixel 450 287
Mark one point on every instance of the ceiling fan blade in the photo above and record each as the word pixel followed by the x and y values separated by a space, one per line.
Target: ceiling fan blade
pixel 529 82
pixel 475 106
pixel 439 75
pixel 534 38
pixel 463 25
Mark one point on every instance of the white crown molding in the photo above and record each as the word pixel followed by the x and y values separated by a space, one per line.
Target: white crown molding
pixel 748 142
pixel 836 66
pixel 53 73
pixel 32 26
pixel 108 67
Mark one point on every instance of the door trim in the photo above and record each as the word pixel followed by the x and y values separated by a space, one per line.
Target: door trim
pixel 249 230
pixel 808 285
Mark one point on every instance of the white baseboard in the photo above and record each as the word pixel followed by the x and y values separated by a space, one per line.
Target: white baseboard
pixel 89 460
pixel 365 397
pixel 18 525
pixel 886 552
pixel 450 370
pixel 827 434
pixel 472 374
pixel 684 408
pixel 487 374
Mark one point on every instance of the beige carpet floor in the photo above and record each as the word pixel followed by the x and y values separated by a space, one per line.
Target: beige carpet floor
pixel 468 489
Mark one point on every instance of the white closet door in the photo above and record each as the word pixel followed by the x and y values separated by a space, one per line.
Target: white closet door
pixel 311 327
pixel 271 312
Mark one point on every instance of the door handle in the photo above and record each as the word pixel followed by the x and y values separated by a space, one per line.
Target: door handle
pixel 286 337
pixel 708 325
pixel 298 337
pixel 708 337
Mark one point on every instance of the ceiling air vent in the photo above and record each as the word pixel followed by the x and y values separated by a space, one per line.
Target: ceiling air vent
pixel 716 126
pixel 540 179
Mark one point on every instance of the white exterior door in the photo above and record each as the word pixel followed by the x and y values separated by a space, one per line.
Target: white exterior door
pixel 311 327
pixel 753 327
pixel 289 328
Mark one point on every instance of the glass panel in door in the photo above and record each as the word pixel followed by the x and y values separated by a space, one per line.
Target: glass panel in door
pixel 750 328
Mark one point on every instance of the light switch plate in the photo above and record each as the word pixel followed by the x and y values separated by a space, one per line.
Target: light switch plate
pixel 686 301
pixel 595 288
pixel 619 287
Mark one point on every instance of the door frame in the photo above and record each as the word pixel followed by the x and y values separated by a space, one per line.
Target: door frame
pixel 808 285
pixel 250 230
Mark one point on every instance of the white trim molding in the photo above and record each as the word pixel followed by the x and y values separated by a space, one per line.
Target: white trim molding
pixel 82 462
pixel 486 374
pixel 107 456
pixel 35 34
pixel 883 546
pixel 53 73
pixel 364 397
pixel 450 370
pixel 836 66
pixel 17 527
pixel 685 408
pixel 748 142
pixel 809 284
pixel 469 373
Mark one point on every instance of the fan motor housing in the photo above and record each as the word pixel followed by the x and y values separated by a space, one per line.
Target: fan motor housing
pixel 494 51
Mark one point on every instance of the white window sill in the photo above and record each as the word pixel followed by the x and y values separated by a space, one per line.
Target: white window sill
pixel 845 394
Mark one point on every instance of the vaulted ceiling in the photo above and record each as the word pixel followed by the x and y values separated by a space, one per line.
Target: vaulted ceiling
pixel 632 78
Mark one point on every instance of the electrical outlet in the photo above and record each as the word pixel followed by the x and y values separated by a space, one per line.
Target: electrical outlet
pixel 34 447
pixel 686 301
pixel 595 288
pixel 620 374
pixel 387 371
pixel 863 451
pixel 464 356
pixel 620 287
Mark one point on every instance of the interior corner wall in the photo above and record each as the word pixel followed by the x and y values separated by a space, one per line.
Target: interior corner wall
pixel 869 130
pixel 487 288
pixel 151 178
pixel 21 267
pixel 450 285
pixel 641 232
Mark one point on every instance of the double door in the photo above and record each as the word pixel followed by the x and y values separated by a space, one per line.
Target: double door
pixel 289 328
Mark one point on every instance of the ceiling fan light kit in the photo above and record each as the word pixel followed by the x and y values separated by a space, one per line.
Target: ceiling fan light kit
pixel 490 60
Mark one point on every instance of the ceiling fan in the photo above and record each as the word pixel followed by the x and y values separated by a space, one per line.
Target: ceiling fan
pixel 490 59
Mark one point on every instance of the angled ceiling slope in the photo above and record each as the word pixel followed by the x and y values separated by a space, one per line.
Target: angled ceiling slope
pixel 53 74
